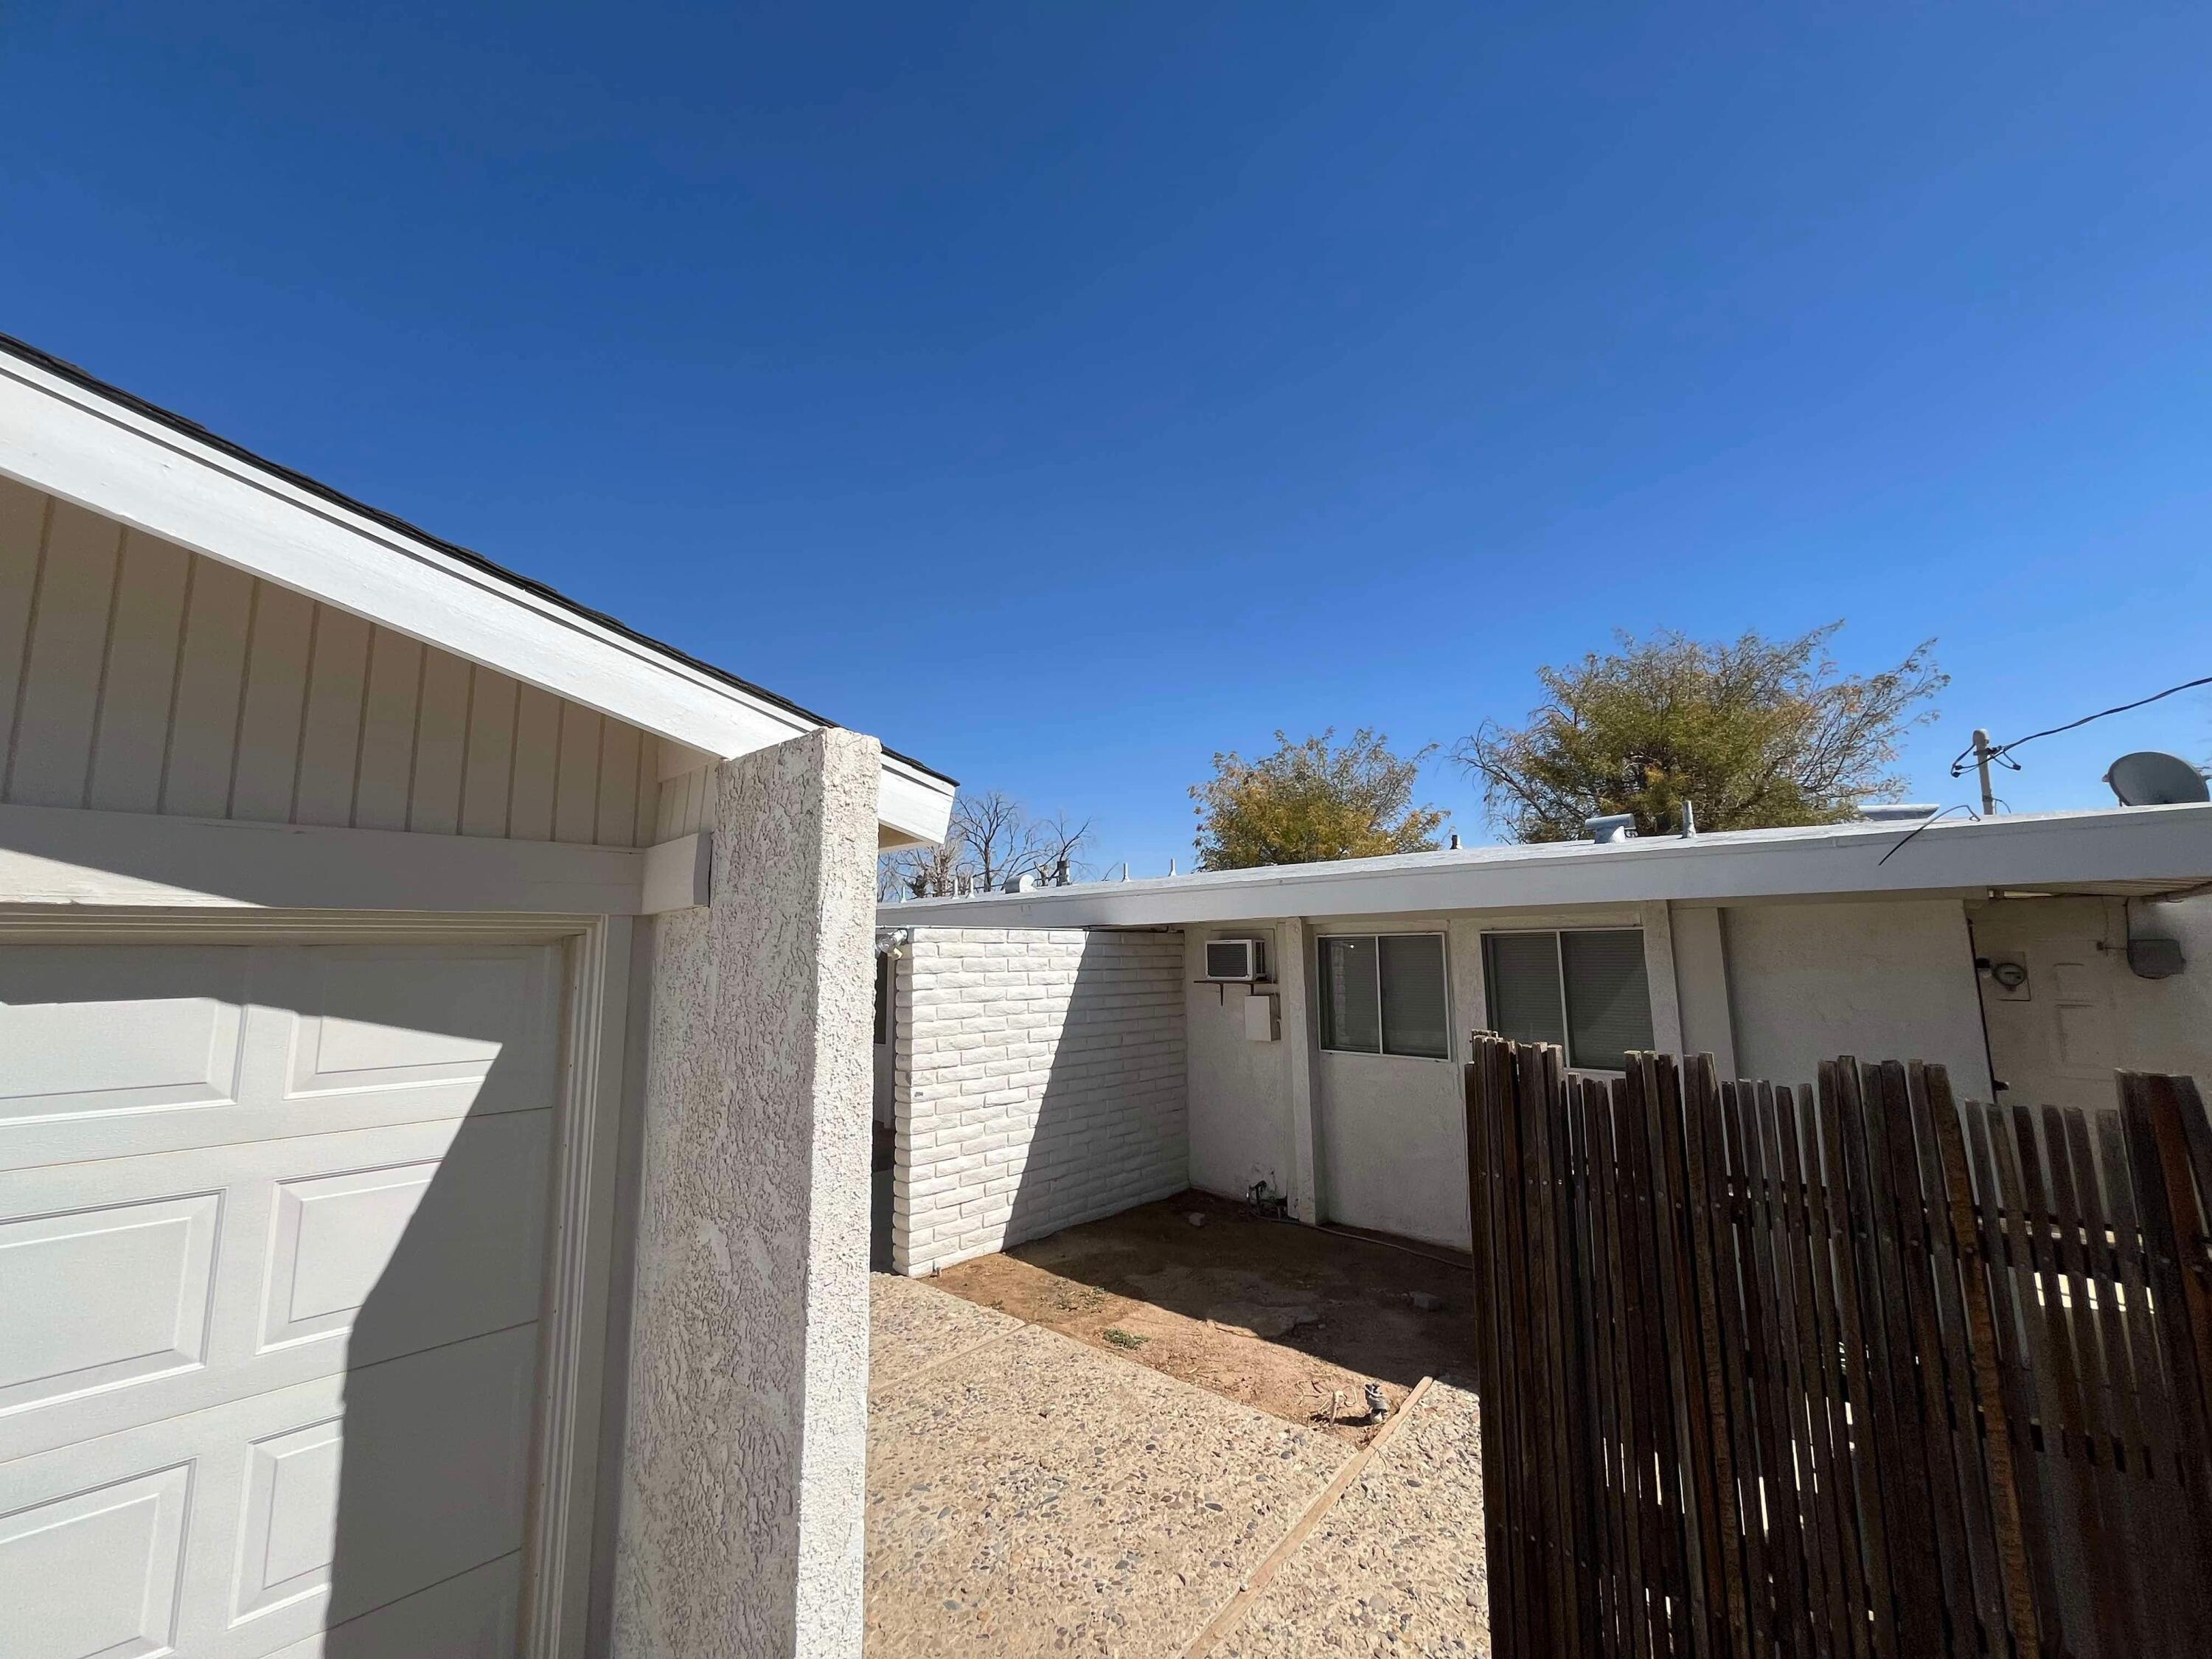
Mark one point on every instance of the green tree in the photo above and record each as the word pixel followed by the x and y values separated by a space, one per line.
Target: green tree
pixel 1312 800
pixel 1754 734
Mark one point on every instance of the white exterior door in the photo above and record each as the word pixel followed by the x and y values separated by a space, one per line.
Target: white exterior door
pixel 272 1224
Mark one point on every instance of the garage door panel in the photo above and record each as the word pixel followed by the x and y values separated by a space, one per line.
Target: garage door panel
pixel 471 1617
pixel 100 1298
pixel 119 1546
pixel 273 1223
pixel 259 1521
pixel 84 1035
pixel 404 1256
pixel 314 1253
pixel 383 1018
pixel 110 1061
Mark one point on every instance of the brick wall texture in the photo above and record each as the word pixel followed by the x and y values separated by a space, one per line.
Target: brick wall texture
pixel 1040 1083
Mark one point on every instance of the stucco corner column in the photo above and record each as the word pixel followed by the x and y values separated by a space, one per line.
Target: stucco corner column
pixel 742 1494
pixel 1293 944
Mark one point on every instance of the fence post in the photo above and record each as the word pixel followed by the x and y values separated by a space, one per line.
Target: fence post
pixel 2174 1227
pixel 1981 1334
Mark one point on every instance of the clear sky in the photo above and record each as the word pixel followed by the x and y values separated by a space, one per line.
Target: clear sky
pixel 1064 392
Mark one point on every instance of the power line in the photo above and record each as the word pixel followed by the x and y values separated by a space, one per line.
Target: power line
pixel 2001 750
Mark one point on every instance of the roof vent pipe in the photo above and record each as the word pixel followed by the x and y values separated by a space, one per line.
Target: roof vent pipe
pixel 1895 812
pixel 1614 826
pixel 1689 819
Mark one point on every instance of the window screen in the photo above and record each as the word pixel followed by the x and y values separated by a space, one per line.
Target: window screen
pixel 1585 991
pixel 1523 975
pixel 1608 1001
pixel 1415 1019
pixel 1351 1017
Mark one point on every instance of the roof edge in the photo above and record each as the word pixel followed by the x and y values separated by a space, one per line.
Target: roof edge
pixel 60 368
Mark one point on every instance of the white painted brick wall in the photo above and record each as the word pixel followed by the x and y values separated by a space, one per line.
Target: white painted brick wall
pixel 1039 1078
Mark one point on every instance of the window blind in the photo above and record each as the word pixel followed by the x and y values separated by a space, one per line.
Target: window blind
pixel 1609 998
pixel 1349 979
pixel 1523 970
pixel 1416 1019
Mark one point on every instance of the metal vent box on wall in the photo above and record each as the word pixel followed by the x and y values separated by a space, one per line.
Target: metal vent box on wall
pixel 1232 959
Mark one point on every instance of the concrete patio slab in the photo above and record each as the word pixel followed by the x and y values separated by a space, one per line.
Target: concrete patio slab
pixel 913 1325
pixel 1037 1496
pixel 1397 1564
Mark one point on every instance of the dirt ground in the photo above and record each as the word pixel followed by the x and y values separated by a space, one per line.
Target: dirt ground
pixel 1292 1321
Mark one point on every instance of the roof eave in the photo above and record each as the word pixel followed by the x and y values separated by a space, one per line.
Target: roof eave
pixel 70 435
pixel 2166 844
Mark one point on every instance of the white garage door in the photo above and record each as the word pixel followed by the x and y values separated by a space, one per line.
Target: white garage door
pixel 272 1235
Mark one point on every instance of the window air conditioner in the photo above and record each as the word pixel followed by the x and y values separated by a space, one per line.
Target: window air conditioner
pixel 1232 959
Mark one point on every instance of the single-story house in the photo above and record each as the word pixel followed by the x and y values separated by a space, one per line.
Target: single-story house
pixel 1051 1055
pixel 433 1103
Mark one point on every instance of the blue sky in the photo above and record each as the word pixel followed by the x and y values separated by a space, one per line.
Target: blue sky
pixel 1066 392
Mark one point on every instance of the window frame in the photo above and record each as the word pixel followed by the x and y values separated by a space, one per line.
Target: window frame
pixel 1558 936
pixel 1381 1051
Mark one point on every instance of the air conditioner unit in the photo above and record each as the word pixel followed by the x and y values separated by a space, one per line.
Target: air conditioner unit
pixel 1232 959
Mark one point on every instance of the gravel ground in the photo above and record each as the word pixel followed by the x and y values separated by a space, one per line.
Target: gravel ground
pixel 1037 1496
pixel 911 1324
pixel 1396 1566
pixel 1032 1495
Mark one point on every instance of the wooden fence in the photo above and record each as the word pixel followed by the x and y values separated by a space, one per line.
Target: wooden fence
pixel 1857 1371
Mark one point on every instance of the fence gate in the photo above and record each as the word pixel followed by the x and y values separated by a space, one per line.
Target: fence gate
pixel 1857 1371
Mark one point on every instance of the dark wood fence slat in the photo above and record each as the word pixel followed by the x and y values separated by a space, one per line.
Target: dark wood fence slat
pixel 1865 1494
pixel 2002 1215
pixel 2174 1228
pixel 1864 1371
pixel 1712 1270
pixel 1980 1359
pixel 1648 1399
pixel 1623 1580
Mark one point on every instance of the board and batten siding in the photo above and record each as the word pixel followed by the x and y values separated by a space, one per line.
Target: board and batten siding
pixel 686 804
pixel 137 676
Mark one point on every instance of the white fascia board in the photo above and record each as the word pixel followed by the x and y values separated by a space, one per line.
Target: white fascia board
pixel 59 855
pixel 679 875
pixel 912 807
pixel 68 441
pixel 2159 844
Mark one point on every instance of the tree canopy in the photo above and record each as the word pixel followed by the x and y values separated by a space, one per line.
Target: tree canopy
pixel 1755 733
pixel 991 838
pixel 1312 800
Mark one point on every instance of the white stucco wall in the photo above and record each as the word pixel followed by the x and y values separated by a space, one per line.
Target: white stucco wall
pixel 743 1500
pixel 1883 980
pixel 1040 1082
pixel 1394 1146
pixel 2083 1012
pixel 1240 1089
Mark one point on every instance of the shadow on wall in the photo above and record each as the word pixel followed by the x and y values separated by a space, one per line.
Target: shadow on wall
pixel 1059 1101
pixel 425 1525
pixel 359 1425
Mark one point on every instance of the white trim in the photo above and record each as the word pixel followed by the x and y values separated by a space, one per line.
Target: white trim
pixel 564 1491
pixel 2142 846
pixel 59 437
pixel 580 1210
pixel 61 855
pixel 1322 935
pixel 679 874
pixel 1665 1033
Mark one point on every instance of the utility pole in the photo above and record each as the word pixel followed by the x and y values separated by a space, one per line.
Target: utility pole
pixel 1982 766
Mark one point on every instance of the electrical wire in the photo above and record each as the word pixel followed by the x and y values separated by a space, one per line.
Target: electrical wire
pixel 2003 751
pixel 1922 824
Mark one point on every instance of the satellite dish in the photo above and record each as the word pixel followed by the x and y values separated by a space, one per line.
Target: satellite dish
pixel 2147 778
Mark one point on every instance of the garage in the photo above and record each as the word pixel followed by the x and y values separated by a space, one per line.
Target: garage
pixel 273 1243
pixel 396 957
